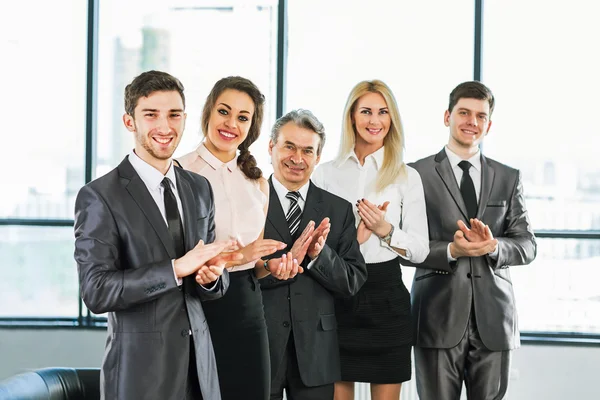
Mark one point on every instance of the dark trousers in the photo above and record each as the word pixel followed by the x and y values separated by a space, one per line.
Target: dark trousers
pixel 440 372
pixel 287 376
pixel 193 391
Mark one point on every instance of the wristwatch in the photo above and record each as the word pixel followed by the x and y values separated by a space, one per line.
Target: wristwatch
pixel 387 238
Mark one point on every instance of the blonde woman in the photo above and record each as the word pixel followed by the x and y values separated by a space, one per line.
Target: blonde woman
pixel 374 326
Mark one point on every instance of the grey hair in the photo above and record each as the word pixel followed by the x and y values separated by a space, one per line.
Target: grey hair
pixel 303 119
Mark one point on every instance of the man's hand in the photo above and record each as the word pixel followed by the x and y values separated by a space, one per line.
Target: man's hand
pixel 374 217
pixel 461 247
pixel 301 244
pixel 199 256
pixel 479 231
pixel 286 267
pixel 209 274
pixel 259 249
pixel 319 237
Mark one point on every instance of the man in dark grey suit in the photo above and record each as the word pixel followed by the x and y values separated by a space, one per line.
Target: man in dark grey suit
pixel 462 296
pixel 300 311
pixel 139 245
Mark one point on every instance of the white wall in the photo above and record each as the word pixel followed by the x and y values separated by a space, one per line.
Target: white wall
pixel 538 371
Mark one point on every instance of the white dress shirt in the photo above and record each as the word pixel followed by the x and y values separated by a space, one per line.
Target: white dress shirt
pixel 406 212
pixel 475 174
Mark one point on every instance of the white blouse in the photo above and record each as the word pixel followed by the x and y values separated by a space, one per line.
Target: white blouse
pixel 406 211
pixel 239 202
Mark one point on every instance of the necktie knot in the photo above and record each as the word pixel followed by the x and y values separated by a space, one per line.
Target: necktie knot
pixel 166 183
pixel 465 166
pixel 293 196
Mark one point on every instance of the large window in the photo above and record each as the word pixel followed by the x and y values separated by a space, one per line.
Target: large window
pixel 43 101
pixel 544 77
pixel 199 42
pixel 420 54
pixel 542 71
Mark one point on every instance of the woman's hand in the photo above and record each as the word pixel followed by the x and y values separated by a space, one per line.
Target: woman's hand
pixel 374 217
pixel 259 249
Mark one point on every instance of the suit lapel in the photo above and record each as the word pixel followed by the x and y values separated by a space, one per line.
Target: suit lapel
pixel 487 182
pixel 275 215
pixel 138 190
pixel 312 207
pixel 444 170
pixel 190 216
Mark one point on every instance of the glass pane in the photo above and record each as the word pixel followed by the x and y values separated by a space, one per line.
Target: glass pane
pixel 420 54
pixel 39 274
pixel 43 96
pixel 199 42
pixel 545 82
pixel 559 291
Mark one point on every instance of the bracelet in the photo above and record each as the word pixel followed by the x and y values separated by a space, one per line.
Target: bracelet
pixel 387 238
pixel 266 266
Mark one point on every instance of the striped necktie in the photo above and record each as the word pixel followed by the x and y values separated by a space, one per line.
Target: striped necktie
pixel 294 213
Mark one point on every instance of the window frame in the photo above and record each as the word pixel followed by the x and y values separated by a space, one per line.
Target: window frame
pixel 85 319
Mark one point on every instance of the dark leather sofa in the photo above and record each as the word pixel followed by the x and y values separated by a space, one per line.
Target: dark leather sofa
pixel 52 384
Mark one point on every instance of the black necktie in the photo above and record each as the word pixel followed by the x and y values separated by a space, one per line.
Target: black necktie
pixel 467 189
pixel 173 219
pixel 294 213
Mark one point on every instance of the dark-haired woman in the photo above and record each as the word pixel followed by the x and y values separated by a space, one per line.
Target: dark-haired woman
pixel 231 121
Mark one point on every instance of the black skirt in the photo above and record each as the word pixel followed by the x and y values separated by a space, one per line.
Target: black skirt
pixel 374 328
pixel 239 334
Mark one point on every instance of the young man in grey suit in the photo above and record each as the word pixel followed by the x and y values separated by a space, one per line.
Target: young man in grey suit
pixel 299 311
pixel 142 235
pixel 462 296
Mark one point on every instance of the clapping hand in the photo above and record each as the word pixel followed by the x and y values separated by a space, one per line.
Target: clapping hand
pixel 473 242
pixel 201 254
pixel 286 267
pixel 374 217
pixel 319 237
pixel 301 244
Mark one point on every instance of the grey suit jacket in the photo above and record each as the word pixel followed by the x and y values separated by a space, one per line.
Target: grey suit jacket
pixel 443 293
pixel 305 305
pixel 123 251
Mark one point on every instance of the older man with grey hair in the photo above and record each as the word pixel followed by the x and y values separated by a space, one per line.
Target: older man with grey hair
pixel 319 229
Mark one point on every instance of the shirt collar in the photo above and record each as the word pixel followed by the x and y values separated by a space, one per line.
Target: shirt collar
pixel 377 157
pixel 454 159
pixel 150 175
pixel 213 161
pixel 282 191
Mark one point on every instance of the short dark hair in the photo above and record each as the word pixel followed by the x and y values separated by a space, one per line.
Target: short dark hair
pixel 147 83
pixel 303 119
pixel 246 161
pixel 471 90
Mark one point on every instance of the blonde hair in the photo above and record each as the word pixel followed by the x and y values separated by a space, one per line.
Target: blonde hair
pixel 393 154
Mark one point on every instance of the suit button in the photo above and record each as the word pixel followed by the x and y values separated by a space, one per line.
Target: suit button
pixel 185 332
pixel 469 275
pixel 286 324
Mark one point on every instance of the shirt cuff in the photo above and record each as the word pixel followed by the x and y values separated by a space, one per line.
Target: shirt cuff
pixel 178 280
pixel 311 263
pixel 212 287
pixel 450 258
pixel 398 240
pixel 494 254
